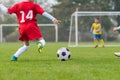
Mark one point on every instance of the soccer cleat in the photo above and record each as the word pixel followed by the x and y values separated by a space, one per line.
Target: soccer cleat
pixel 14 58
pixel 40 47
pixel 96 46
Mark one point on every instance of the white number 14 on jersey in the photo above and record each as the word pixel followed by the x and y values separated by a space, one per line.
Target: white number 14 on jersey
pixel 28 16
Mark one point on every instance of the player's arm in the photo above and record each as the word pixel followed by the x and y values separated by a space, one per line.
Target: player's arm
pixel 98 30
pixel 39 10
pixel 47 15
pixel 3 9
pixel 91 29
pixel 6 10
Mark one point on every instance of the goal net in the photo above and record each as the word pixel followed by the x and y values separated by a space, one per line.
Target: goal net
pixel 9 32
pixel 81 22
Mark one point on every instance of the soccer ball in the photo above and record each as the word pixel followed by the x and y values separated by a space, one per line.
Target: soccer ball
pixel 63 54
pixel 117 54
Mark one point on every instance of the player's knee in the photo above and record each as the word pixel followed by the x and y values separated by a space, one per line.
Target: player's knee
pixel 43 42
pixel 26 42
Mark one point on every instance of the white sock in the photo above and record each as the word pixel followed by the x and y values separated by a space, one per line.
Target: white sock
pixel 43 42
pixel 21 50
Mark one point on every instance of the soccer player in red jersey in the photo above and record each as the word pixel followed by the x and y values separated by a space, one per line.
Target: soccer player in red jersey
pixel 26 12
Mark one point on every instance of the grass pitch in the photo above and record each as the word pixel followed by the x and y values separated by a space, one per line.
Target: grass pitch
pixel 86 63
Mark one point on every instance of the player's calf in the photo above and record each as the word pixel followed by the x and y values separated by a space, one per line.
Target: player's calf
pixel 96 42
pixel 102 43
pixel 19 52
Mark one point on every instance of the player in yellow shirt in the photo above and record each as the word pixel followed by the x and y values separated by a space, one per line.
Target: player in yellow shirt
pixel 97 32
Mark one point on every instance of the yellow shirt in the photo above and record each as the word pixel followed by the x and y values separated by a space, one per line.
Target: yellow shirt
pixel 96 27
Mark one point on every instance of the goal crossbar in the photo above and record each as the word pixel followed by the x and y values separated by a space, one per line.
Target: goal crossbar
pixel 77 14
pixel 16 25
pixel 96 13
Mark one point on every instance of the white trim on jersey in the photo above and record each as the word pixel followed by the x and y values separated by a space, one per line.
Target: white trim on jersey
pixel 47 15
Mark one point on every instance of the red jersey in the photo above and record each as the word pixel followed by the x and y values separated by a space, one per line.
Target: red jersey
pixel 26 12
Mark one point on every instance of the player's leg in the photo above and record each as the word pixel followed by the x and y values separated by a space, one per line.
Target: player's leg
pixel 101 40
pixel 40 43
pixel 20 51
pixel 95 40
pixel 102 43
pixel 34 33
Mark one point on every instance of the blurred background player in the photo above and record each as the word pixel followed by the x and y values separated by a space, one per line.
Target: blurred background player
pixel 97 32
pixel 26 12
pixel 116 28
pixel 118 24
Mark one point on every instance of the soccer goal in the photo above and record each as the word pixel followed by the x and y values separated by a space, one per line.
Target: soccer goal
pixel 9 32
pixel 81 22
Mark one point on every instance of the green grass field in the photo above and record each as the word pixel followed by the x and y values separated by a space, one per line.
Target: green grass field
pixel 86 63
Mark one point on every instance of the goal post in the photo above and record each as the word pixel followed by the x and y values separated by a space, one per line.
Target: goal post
pixel 16 26
pixel 74 23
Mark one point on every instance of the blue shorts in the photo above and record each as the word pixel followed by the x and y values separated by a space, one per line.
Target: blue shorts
pixel 97 36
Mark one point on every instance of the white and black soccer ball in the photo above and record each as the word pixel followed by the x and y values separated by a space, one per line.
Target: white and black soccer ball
pixel 117 54
pixel 63 54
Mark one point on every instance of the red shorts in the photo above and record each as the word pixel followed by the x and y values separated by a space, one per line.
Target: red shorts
pixel 29 31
